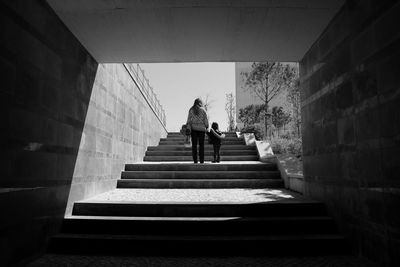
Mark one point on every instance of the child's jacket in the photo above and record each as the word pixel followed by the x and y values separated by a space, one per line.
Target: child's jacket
pixel 215 140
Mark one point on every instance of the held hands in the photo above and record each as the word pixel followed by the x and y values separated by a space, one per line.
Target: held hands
pixel 211 130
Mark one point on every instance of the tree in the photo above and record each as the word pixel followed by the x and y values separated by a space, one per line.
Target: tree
pixel 293 97
pixel 266 80
pixel 250 114
pixel 279 117
pixel 230 110
pixel 207 104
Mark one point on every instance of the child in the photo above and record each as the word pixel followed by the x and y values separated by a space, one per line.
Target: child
pixel 185 131
pixel 215 139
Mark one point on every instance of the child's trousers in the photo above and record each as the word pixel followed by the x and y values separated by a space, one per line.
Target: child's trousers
pixel 217 148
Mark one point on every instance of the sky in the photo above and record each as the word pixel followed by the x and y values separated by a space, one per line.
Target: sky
pixel 177 85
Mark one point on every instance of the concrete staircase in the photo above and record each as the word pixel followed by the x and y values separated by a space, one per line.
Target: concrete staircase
pixel 273 226
pixel 172 149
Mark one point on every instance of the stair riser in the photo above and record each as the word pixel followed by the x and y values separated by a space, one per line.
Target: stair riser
pixel 199 210
pixel 207 153
pixel 236 142
pixel 200 184
pixel 200 167
pixel 207 158
pixel 197 248
pixel 181 138
pixel 232 227
pixel 179 134
pixel 200 175
pixel 206 148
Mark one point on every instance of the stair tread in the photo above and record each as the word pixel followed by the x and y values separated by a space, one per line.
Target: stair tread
pixel 192 183
pixel 225 147
pixel 207 158
pixel 196 219
pixel 239 157
pixel 192 203
pixel 244 163
pixel 200 180
pixel 207 152
pixel 204 237
pixel 200 195
pixel 203 172
pixel 180 137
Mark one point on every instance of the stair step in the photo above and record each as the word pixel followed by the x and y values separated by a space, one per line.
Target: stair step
pixel 206 158
pixel 197 245
pixel 182 138
pixel 203 226
pixel 227 134
pixel 206 148
pixel 256 166
pixel 201 174
pixel 206 153
pixel 286 208
pixel 200 183
pixel 181 142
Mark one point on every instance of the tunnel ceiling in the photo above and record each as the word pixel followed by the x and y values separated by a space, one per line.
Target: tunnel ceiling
pixel 196 31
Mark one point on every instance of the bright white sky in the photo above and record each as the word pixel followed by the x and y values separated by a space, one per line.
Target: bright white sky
pixel 177 85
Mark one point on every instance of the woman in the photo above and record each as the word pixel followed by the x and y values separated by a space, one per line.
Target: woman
pixel 197 122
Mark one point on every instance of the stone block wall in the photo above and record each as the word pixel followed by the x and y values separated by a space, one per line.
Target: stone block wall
pixel 119 126
pixel 54 129
pixel 350 90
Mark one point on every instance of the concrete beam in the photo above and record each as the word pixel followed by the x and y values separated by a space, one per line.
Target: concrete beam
pixel 196 31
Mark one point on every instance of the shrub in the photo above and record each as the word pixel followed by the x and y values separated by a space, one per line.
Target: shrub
pixel 283 145
pixel 253 129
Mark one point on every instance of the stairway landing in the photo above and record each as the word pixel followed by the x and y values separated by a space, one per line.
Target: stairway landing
pixel 201 195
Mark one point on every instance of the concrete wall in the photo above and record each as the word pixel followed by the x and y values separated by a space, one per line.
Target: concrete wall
pixel 47 79
pixel 119 126
pixel 350 108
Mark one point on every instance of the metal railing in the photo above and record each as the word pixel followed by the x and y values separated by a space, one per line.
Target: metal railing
pixel 143 83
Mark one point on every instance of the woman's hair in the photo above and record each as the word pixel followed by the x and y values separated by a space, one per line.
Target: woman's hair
pixel 214 125
pixel 196 106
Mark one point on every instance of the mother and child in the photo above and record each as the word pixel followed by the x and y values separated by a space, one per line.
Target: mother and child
pixel 197 122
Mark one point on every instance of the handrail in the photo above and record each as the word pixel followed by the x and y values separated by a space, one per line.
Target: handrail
pixel 137 74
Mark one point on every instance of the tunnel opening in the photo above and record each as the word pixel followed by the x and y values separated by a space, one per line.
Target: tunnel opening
pixel 52 49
